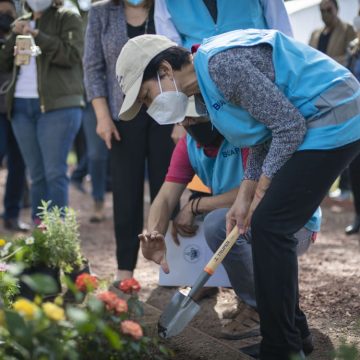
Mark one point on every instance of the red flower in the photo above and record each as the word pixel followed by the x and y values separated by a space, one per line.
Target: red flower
pixel 112 302
pixel 131 328
pixel 129 286
pixel 86 282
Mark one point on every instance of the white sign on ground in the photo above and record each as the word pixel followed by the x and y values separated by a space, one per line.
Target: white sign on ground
pixel 187 261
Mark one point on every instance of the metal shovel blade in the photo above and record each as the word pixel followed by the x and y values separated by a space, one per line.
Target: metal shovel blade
pixel 178 313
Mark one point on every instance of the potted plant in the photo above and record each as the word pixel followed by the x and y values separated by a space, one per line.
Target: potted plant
pixel 53 246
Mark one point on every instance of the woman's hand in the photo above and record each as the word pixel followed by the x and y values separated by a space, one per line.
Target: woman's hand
pixel 153 248
pixel 237 215
pixel 183 224
pixel 263 184
pixel 18 26
pixel 28 30
pixel 249 196
pixel 106 129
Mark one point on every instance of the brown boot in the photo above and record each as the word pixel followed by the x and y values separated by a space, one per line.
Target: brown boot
pixel 244 325
pixel 99 213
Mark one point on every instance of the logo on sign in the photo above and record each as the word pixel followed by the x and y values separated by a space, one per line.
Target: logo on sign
pixel 192 253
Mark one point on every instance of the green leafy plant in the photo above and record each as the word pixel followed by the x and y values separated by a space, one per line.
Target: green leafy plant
pixel 102 327
pixel 61 236
pixel 8 285
pixel 55 243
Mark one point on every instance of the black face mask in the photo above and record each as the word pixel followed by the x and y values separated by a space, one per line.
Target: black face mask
pixel 5 23
pixel 204 133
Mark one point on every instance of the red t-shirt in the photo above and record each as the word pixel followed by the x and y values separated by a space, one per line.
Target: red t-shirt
pixel 180 170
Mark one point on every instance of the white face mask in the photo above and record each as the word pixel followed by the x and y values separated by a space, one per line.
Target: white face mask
pixel 168 107
pixel 39 5
pixel 357 23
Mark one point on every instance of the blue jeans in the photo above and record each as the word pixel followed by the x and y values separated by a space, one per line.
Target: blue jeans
pixel 15 180
pixel 97 154
pixel 45 140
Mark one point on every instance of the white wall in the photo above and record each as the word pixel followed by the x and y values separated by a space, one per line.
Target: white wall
pixel 305 15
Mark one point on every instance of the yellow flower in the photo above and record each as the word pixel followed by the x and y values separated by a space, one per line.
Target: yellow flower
pixel 26 308
pixel 37 300
pixel 53 311
pixel 2 242
pixel 59 301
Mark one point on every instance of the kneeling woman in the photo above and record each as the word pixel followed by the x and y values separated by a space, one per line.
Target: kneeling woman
pixel 297 110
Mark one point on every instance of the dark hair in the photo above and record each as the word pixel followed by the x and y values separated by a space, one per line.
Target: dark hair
pixel 335 3
pixel 176 56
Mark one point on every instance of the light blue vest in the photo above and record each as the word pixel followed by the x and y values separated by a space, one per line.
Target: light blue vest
pixel 221 173
pixel 194 22
pixel 326 93
pixel 225 172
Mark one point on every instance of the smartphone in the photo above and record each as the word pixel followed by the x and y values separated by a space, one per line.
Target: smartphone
pixel 23 46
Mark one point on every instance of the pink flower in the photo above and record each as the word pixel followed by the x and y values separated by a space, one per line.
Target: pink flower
pixel 41 226
pixel 121 306
pixel 132 328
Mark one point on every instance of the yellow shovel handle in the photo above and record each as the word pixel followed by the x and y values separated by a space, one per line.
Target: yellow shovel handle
pixel 222 251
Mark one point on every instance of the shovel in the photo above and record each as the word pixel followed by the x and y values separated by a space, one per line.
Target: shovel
pixel 182 308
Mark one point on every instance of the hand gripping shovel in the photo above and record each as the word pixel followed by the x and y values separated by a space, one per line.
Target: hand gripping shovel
pixel 181 310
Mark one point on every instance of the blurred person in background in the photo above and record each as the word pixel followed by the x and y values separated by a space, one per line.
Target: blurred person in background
pixel 91 152
pixel 8 146
pixel 333 40
pixel 353 64
pixel 97 155
pixel 44 103
pixel 79 173
pixel 110 24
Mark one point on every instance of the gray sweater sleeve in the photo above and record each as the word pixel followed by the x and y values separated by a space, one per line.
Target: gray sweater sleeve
pixel 245 77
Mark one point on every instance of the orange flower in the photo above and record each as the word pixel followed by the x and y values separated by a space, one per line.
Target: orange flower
pixel 108 298
pixel 121 306
pixel 112 302
pixel 129 286
pixel 86 282
pixel 132 328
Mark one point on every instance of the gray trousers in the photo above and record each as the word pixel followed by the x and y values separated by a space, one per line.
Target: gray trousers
pixel 238 263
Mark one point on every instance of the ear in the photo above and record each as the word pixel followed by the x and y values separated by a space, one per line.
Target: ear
pixel 165 69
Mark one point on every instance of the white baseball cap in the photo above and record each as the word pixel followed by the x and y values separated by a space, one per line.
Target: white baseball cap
pixel 134 57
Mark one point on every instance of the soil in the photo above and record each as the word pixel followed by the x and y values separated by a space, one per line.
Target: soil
pixel 329 284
